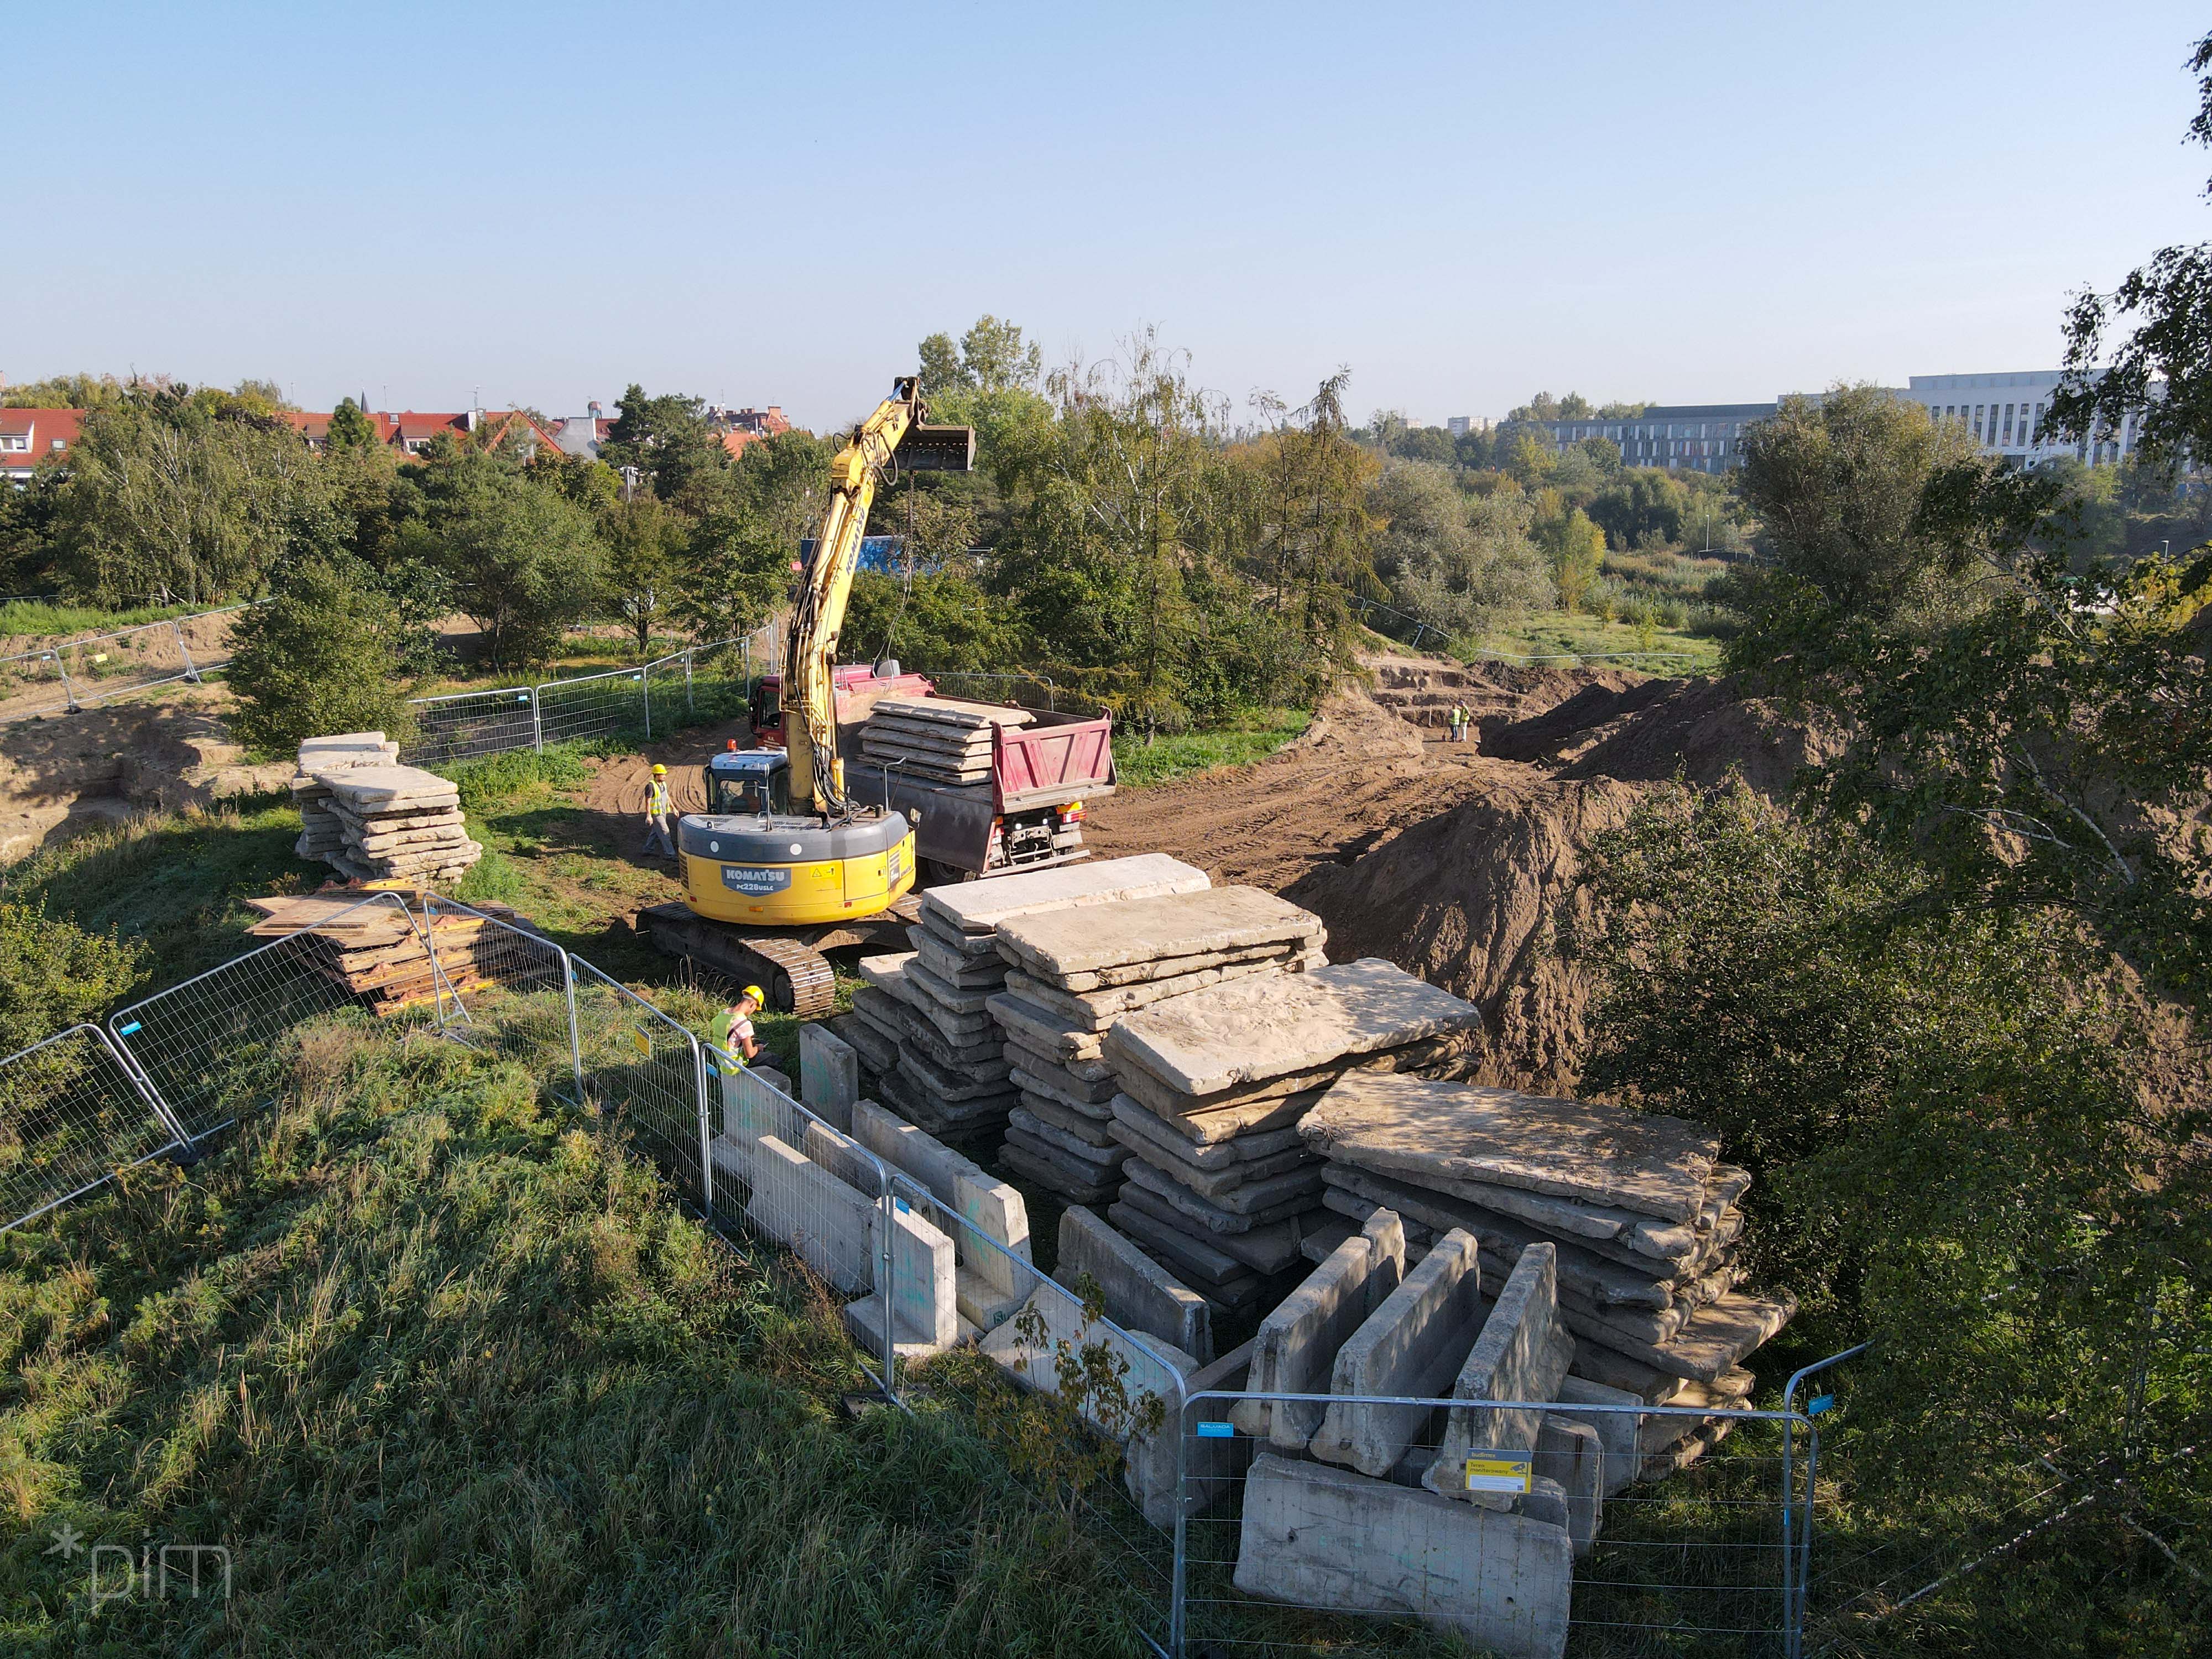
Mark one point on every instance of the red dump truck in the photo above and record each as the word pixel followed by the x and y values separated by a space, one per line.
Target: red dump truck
pixel 1030 812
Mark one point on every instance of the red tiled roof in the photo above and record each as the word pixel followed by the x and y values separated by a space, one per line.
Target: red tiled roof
pixel 47 430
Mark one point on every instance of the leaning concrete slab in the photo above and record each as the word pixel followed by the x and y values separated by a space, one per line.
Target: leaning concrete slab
pixel 1253 1028
pixel 1141 1295
pixel 990 1282
pixel 829 1075
pixel 1574 1149
pixel 1029 1350
pixel 1320 1537
pixel 1295 1349
pixel 822 1221
pixel 1521 1353
pixel 978 907
pixel 1412 1345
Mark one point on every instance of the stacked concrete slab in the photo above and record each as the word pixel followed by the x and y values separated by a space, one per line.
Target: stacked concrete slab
pixel 1639 1212
pixel 1071 974
pixel 935 1051
pixel 372 819
pixel 321 835
pixel 939 739
pixel 1220 1185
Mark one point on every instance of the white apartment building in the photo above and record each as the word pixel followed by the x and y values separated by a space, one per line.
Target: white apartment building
pixel 2005 413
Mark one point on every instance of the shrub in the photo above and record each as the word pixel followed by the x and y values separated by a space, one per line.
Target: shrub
pixel 55 974
pixel 325 655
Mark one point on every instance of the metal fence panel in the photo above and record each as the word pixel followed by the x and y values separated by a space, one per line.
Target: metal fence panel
pixel 646 1073
pixel 72 1113
pixel 1281 1546
pixel 211 1046
pixel 96 668
pixel 469 725
pixel 593 705
pixel 503 989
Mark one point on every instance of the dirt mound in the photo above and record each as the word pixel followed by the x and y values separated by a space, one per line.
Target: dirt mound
pixel 1423 690
pixel 1662 729
pixel 1470 900
pixel 1460 862
pixel 62 772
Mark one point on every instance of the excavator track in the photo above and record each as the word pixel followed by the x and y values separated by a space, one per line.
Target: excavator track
pixel 797 977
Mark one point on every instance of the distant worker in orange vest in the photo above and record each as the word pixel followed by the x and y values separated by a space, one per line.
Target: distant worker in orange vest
pixel 656 813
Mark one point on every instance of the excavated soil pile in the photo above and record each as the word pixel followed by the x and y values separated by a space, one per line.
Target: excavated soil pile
pixel 1461 862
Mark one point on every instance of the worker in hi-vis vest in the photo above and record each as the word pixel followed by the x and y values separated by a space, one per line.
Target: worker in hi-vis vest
pixel 656 814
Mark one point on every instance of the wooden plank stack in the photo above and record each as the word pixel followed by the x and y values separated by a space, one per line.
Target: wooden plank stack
pixel 1214 1083
pixel 1071 974
pixel 1643 1214
pixel 941 739
pixel 378 952
pixel 372 819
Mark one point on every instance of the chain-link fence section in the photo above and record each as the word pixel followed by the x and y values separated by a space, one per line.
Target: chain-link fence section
pixel 72 1113
pixel 470 725
pixel 700 681
pixel 212 1048
pixel 502 989
pixel 79 673
pixel 1026 691
pixel 647 1075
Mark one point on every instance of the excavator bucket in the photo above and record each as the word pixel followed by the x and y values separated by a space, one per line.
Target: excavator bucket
pixel 937 449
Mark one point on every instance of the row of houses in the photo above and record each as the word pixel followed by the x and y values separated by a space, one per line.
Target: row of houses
pixel 29 436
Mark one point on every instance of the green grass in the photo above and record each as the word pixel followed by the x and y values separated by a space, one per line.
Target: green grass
pixel 1568 638
pixel 42 619
pixel 447 1373
pixel 1253 737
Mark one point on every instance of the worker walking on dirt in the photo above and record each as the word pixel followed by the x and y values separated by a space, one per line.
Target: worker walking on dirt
pixel 656 813
pixel 732 1030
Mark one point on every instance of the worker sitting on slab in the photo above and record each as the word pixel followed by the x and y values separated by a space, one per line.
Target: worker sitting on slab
pixel 732 1030
pixel 656 813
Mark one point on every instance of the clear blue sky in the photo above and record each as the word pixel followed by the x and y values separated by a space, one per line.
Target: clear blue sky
pixel 1464 202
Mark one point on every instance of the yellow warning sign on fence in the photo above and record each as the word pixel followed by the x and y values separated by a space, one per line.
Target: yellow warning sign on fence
pixel 1499 1471
pixel 644 1042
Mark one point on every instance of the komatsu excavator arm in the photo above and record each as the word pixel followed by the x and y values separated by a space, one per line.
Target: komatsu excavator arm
pixel 894 436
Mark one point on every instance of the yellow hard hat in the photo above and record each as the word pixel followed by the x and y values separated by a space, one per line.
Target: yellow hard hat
pixel 754 992
pixel 658 770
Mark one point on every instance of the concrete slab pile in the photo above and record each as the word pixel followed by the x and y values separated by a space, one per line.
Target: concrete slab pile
pixel 934 1053
pixel 1070 974
pixel 1638 1212
pixel 942 739
pixel 393 823
pixel 1212 1084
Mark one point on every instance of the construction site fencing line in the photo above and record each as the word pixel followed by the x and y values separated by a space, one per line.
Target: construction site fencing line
pixel 1225 1527
pixel 462 725
pixel 79 673
pixel 1368 607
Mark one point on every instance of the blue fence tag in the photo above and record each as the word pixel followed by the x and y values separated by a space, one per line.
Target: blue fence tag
pixel 900 1205
pixel 1818 1403
pixel 1217 1431
pixel 127 1030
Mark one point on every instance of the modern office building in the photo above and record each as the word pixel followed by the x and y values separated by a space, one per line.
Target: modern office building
pixel 2006 413
pixel 1682 437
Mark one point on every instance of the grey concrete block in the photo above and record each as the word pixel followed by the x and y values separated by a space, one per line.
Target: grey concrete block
pixel 1571 1454
pixel 978 907
pixel 1295 1349
pixel 1521 1353
pixel 990 1282
pixel 818 1218
pixel 1139 1294
pixel 1322 1537
pixel 1055 944
pixel 1412 1345
pixel 1616 1430
pixel 829 1075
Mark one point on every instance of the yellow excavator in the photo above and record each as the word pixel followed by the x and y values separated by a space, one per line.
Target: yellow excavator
pixel 781 846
